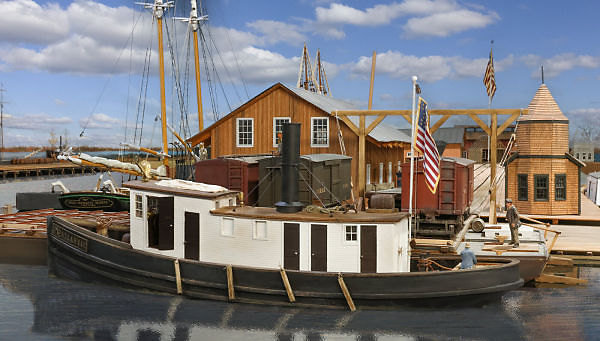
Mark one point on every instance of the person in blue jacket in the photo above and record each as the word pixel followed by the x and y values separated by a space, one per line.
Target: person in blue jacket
pixel 468 259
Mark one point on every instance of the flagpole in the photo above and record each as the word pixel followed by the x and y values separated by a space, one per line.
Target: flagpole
pixel 412 153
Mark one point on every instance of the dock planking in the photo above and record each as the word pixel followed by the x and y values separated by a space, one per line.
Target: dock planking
pixel 56 168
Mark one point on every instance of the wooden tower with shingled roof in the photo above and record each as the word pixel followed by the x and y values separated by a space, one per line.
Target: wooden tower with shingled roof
pixel 542 177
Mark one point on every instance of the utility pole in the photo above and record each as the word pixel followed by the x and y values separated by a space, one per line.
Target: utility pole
pixel 1 122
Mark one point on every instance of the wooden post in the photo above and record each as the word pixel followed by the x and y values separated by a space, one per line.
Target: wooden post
pixel 178 277
pixel 493 159
pixel 230 289
pixel 288 287
pixel 346 293
pixel 362 162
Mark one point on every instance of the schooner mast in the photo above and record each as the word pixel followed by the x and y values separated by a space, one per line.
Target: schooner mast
pixel 158 9
pixel 194 20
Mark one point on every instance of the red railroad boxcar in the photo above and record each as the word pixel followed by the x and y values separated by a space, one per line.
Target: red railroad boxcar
pixel 234 173
pixel 442 212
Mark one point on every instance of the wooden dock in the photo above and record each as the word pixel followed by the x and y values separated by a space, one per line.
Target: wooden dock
pixel 57 168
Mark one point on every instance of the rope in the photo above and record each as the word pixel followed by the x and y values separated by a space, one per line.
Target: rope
pixel 429 262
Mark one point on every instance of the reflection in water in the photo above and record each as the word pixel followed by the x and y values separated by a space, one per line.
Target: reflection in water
pixel 78 310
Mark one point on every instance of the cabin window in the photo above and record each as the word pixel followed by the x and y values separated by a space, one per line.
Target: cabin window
pixel 227 227
pixel 160 219
pixel 465 154
pixel 381 172
pixel 368 173
pixel 260 230
pixel 351 233
pixel 245 132
pixel 319 132
pixel 278 129
pixel 485 155
pixel 217 204
pixel 389 172
pixel 560 187
pixel 139 208
pixel 231 202
pixel 522 187
pixel 540 182
pixel 589 156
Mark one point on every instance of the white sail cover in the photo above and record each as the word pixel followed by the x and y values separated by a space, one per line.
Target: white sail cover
pixel 190 185
pixel 113 164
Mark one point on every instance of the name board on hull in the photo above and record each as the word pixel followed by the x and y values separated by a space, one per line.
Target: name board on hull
pixel 69 237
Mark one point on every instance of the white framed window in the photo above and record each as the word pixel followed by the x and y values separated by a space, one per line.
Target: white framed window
pixel 139 207
pixel 381 172
pixel 260 230
pixel 231 202
pixel 217 204
pixel 245 132
pixel 227 227
pixel 389 177
pixel 351 233
pixel 368 173
pixel 278 128
pixel 319 132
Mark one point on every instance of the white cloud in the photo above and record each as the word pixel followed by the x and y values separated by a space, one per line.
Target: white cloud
pixel 276 31
pixel 427 68
pixel 438 18
pixel 35 121
pixel 28 22
pixel 100 121
pixel 448 23
pixel 557 64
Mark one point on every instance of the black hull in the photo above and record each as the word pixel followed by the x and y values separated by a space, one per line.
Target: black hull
pixel 76 253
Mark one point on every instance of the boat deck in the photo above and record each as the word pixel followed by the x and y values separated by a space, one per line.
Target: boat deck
pixel 271 214
pixel 37 219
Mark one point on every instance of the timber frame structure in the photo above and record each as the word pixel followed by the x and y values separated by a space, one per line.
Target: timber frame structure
pixel 493 132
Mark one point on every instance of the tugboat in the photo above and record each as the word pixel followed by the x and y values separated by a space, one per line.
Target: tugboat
pixel 200 241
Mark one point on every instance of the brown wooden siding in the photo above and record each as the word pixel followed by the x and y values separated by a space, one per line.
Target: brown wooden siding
pixel 547 138
pixel 281 103
pixel 551 167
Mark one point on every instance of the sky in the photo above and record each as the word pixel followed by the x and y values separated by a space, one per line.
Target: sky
pixel 76 68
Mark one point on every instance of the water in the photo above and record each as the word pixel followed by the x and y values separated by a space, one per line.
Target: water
pixel 35 307
pixel 9 188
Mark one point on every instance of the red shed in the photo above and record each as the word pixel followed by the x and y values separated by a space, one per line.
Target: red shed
pixel 454 194
pixel 237 173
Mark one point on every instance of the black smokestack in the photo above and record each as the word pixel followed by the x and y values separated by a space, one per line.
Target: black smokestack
pixel 290 157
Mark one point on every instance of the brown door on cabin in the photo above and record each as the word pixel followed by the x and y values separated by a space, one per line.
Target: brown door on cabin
pixel 368 248
pixel 165 223
pixel 318 247
pixel 192 236
pixel 291 246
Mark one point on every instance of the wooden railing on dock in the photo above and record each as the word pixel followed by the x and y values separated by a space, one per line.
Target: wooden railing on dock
pixel 57 168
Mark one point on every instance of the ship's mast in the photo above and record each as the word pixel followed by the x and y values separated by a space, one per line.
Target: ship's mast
pixel 194 20
pixel 158 9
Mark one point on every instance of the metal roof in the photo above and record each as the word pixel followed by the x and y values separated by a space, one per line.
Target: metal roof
pixel 325 157
pixel 450 135
pixel 382 133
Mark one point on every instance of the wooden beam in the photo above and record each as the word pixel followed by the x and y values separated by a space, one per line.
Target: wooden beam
pixel 480 123
pixel 506 123
pixel 178 277
pixel 374 123
pixel 230 289
pixel 434 112
pixel 288 287
pixel 346 293
pixel 439 123
pixel 350 124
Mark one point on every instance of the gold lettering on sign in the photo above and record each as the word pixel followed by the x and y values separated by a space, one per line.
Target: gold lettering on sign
pixel 69 237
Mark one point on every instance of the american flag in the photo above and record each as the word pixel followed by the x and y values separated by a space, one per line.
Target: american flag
pixel 425 144
pixel 489 80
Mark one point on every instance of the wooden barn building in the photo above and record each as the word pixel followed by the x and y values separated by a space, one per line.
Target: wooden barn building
pixel 542 177
pixel 253 129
